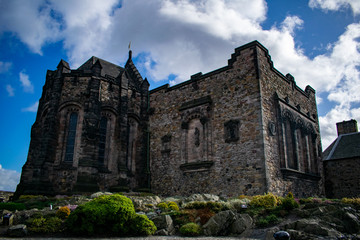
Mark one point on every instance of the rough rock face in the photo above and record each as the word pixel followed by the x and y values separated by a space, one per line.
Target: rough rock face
pixel 329 222
pixel 144 203
pixel 164 224
pixel 227 223
pixel 17 231
pixel 242 223
pixel 202 197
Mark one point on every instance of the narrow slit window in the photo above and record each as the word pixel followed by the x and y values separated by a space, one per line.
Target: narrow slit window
pixel 102 140
pixel 70 141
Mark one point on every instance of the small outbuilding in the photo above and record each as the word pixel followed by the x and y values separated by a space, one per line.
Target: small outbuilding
pixel 342 161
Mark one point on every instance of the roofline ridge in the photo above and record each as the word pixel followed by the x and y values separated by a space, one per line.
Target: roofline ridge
pixel 334 147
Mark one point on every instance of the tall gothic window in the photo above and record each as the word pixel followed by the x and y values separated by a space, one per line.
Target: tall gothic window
pixel 102 140
pixel 290 156
pixel 132 147
pixel 70 140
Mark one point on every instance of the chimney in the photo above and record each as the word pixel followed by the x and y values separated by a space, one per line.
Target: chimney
pixel 345 127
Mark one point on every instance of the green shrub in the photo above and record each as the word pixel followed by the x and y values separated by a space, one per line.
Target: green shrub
pixel 12 206
pixel 45 225
pixel 141 225
pixel 305 200
pixel 268 200
pixel 214 206
pixel 190 229
pixel 107 214
pixel 289 202
pixel 163 206
pixel 63 212
pixel 181 217
pixel 353 201
pixel 173 206
pixel 28 197
pixel 268 220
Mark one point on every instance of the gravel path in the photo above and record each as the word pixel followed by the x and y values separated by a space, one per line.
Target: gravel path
pixel 141 238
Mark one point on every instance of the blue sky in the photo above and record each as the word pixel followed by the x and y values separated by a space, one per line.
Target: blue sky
pixel 317 41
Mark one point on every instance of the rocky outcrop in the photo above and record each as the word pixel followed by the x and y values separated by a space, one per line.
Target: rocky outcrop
pixel 328 222
pixel 164 224
pixel 202 197
pixel 145 203
pixel 17 231
pixel 227 223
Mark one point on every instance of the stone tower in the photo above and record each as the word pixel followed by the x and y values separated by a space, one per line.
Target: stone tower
pixel 244 128
pixel 91 131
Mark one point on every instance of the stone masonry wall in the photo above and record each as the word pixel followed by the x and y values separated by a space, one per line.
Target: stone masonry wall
pixel 342 178
pixel 276 89
pixel 227 103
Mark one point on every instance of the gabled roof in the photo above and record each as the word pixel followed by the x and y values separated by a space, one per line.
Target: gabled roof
pixel 107 67
pixel 132 70
pixel 345 146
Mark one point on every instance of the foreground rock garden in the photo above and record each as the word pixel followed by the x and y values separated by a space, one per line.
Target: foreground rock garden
pixel 138 214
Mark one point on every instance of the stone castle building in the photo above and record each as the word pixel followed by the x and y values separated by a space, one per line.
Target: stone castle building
pixel 242 129
pixel 341 161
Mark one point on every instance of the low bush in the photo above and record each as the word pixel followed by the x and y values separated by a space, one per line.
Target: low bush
pixel 181 217
pixel 214 206
pixel 305 200
pixel 141 225
pixel 28 197
pixel 268 220
pixel 163 206
pixel 268 200
pixel 12 206
pixel 107 215
pixel 352 201
pixel 190 229
pixel 288 203
pixel 173 206
pixel 63 212
pixel 45 225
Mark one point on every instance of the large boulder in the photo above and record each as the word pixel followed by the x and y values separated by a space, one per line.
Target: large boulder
pixel 164 225
pixel 17 231
pixel 202 197
pixel 219 224
pixel 145 203
pixel 242 222
pixel 351 222
pixel 98 194
pixel 306 227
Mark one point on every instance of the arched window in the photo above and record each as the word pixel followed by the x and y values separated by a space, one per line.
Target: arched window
pixel 70 139
pixel 102 140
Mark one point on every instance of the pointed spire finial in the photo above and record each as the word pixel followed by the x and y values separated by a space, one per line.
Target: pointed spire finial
pixel 130 52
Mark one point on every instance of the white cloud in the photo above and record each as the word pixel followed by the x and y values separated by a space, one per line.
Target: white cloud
pixel 33 22
pixel 5 66
pixel 9 179
pixel 25 82
pixel 335 5
pixel 185 37
pixel 10 90
pixel 32 108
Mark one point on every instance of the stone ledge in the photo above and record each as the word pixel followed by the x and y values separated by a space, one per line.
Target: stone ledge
pixel 197 166
pixel 294 174
pixel 195 103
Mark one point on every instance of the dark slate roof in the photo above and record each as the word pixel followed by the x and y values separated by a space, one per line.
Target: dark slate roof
pixel 107 67
pixel 345 146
